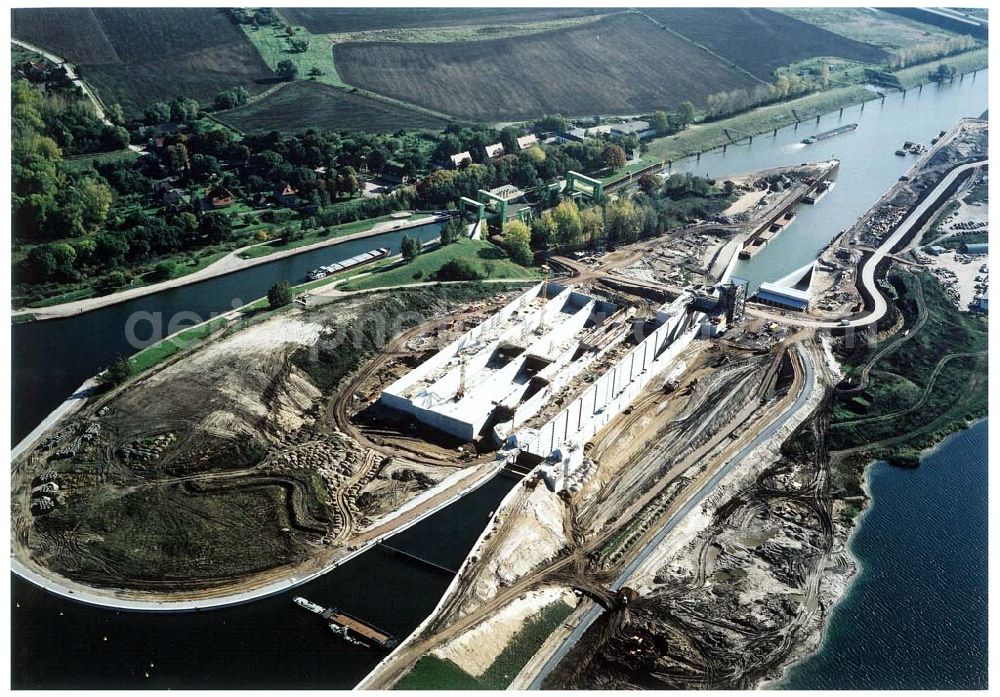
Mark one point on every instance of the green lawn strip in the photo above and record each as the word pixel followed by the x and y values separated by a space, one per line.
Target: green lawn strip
pixel 707 136
pixel 524 645
pixel 82 163
pixel 976 59
pixel 422 269
pixel 314 236
pixel 629 169
pixel 434 673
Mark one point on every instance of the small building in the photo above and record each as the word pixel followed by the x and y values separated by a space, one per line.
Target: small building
pixel 576 135
pixel 980 305
pixel 395 172
pixel 528 141
pixel 493 151
pixel 218 197
pixel 640 129
pixel 285 195
pixel 935 250
pixel 784 297
pixel 461 158
pixel 171 197
pixel 975 248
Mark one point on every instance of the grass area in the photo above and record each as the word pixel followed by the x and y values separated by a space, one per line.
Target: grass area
pixel 869 25
pixel 433 673
pixel 82 163
pixel 489 260
pixel 463 32
pixel 161 351
pixel 313 236
pixel 976 59
pixel 629 169
pixel 952 394
pixel 272 43
pixel 706 136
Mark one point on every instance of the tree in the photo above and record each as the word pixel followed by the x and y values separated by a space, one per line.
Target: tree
pixel 543 231
pixel 287 70
pixel 458 270
pixel 217 227
pixel 569 226
pixel 517 242
pixel 685 113
pixel 279 295
pixel 118 372
pixel 299 45
pixel 613 156
pixel 164 270
pixel 452 231
pixel 410 248
pixel 660 123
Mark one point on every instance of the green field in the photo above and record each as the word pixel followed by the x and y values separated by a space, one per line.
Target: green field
pixel 328 20
pixel 478 253
pixel 869 25
pixel 976 59
pixel 301 105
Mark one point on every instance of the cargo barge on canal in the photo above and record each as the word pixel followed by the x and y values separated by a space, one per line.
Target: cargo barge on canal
pixel 349 628
pixel 830 134
pixel 358 260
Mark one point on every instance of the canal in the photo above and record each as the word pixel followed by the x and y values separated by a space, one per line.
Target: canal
pixel 266 644
pixel 270 643
pixel 52 358
pixel 868 164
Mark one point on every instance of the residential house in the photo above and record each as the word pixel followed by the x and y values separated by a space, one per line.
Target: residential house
pixel 633 128
pixel 285 195
pixel 528 141
pixel 218 197
pixel 493 151
pixel 460 159
pixel 395 172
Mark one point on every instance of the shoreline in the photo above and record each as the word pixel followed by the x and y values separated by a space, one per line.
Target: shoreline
pixel 858 568
pixel 230 263
pixel 73 590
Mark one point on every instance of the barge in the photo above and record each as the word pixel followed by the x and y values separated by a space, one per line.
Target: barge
pixel 347 627
pixel 355 261
pixel 829 134
pixel 821 190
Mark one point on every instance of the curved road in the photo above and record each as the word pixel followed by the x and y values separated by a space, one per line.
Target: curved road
pixel 884 250
pixel 588 619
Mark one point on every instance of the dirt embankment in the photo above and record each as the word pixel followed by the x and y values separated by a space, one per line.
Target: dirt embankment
pixel 220 471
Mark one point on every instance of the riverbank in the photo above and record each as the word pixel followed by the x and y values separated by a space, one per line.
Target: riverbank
pixel 862 595
pixel 449 490
pixel 703 137
pixel 230 263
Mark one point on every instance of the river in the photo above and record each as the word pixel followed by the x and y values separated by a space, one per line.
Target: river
pixel 915 618
pixel 270 643
pixel 52 358
pixel 868 165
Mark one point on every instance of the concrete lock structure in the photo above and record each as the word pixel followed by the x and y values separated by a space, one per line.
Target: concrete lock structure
pixel 493 379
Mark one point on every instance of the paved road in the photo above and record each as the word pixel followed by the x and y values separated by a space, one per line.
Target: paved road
pixel 767 433
pixel 883 251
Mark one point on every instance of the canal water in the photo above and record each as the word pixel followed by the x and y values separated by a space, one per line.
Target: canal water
pixel 916 615
pixel 52 358
pixel 266 644
pixel 868 164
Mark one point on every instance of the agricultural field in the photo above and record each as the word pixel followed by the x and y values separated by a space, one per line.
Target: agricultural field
pixel 759 40
pixel 576 71
pixel 869 25
pixel 136 56
pixel 302 105
pixel 328 20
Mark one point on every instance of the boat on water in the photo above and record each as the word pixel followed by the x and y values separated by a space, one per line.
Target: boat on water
pixel 347 627
pixel 839 130
pixel 822 189
pixel 357 260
